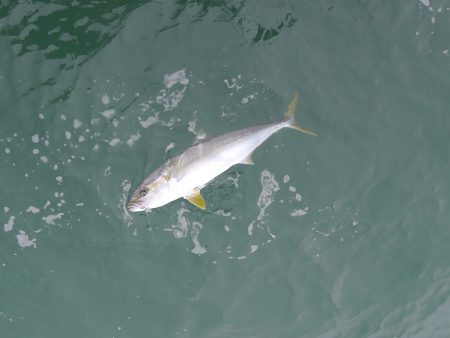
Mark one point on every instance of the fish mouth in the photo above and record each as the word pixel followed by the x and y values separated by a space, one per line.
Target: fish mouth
pixel 134 207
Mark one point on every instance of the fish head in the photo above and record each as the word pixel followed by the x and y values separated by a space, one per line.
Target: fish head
pixel 150 194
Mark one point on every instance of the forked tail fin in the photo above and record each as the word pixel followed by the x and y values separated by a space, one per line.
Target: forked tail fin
pixel 290 119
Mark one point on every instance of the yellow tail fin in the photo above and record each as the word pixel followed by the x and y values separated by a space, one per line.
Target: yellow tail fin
pixel 289 116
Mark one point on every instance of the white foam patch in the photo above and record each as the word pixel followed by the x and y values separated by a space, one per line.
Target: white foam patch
pixel 105 99
pixel 180 230
pixel 50 219
pixel 77 123
pixel 35 151
pixel 68 135
pixel 7 150
pixel 286 178
pixel 59 178
pixel 425 2
pixel 269 186
pixel 126 217
pixel 247 98
pixel 108 113
pixel 195 231
pixel 192 127
pixel 33 209
pixel 298 212
pixel 151 120
pixel 174 78
pixel 133 138
pixel 44 159
pixel 35 138
pixel 253 248
pixel 107 171
pixel 9 226
pixel 170 100
pixel 170 146
pixel 24 241
pixel 81 138
pixel 233 83
pixel 5 209
pixel 114 142
pixel 41 116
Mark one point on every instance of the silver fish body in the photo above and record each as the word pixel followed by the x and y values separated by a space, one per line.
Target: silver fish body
pixel 186 174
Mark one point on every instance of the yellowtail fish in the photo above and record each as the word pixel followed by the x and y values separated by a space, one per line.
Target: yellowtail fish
pixel 186 174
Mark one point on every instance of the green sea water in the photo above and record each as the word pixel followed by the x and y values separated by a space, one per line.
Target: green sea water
pixel 342 235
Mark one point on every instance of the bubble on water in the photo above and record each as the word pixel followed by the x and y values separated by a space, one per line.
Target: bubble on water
pixel 170 146
pixel 126 217
pixel 50 219
pixel 298 212
pixel 171 100
pixel 180 230
pixel 9 226
pixel 24 241
pixel 107 171
pixel 133 138
pixel 108 113
pixel 33 209
pixel 176 77
pixel 35 138
pixel 269 186
pixel 253 248
pixel 114 142
pixel 105 99
pixel 77 123
pixel 195 231
pixel 151 120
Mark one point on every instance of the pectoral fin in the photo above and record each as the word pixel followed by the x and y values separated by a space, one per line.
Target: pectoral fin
pixel 196 199
pixel 248 160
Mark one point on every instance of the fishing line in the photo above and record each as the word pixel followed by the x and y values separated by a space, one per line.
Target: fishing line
pixel 157 250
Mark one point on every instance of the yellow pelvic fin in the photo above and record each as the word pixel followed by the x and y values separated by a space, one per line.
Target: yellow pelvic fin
pixel 196 199
pixel 289 116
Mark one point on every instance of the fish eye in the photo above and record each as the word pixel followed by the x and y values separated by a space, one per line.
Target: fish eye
pixel 143 192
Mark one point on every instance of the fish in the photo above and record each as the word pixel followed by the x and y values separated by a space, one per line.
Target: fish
pixel 184 176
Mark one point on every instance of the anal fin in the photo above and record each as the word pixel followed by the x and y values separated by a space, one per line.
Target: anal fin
pixel 196 199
